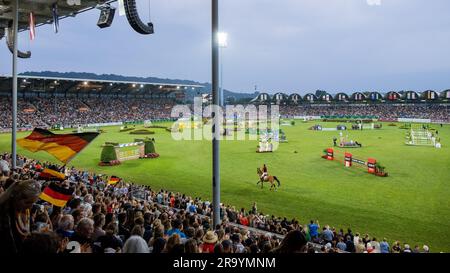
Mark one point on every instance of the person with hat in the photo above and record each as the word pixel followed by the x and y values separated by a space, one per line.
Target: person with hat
pixel 209 241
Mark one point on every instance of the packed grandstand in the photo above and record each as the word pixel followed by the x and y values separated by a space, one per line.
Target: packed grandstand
pixel 122 217
pixel 44 112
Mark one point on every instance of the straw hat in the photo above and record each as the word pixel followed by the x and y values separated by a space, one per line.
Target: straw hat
pixel 210 237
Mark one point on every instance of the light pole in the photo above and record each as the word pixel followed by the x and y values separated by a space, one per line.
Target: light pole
pixel 14 83
pixel 223 43
pixel 216 124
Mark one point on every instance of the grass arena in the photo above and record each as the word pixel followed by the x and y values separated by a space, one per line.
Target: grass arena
pixel 411 204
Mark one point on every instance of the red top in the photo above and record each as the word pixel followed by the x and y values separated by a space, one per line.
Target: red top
pixel 208 248
pixel 244 221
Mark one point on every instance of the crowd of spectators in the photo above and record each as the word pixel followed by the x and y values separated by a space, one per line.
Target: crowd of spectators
pixel 70 112
pixel 67 112
pixel 435 112
pixel 130 218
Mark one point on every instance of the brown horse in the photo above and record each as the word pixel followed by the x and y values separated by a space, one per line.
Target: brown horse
pixel 269 178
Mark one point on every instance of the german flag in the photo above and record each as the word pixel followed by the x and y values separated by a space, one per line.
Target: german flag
pixel 62 146
pixel 113 180
pixel 56 195
pixel 49 174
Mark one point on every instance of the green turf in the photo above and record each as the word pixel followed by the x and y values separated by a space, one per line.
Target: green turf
pixel 411 205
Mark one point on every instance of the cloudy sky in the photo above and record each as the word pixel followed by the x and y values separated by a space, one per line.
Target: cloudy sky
pixel 277 45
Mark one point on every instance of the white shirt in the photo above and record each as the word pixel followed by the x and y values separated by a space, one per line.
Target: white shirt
pixel 4 166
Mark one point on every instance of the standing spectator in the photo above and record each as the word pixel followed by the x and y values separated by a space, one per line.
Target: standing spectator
pixel 384 246
pixel 314 229
pixel 396 248
pixel 4 166
pixel 376 246
pixel 407 249
pixel 360 247
pixel 15 205
pixel 350 246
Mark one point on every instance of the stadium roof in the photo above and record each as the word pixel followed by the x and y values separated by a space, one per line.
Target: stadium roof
pixel 42 10
pixel 68 85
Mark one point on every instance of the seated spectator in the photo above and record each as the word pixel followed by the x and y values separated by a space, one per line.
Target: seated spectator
pixel 83 232
pixel 65 226
pixel 191 246
pixel 294 242
pixel 227 246
pixel 176 228
pixel 110 240
pixel 341 245
pixel 135 244
pixel 99 222
pixel 42 243
pixel 173 244
pixel 209 241
pixel 157 242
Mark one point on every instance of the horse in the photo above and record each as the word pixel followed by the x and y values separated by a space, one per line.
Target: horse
pixel 268 178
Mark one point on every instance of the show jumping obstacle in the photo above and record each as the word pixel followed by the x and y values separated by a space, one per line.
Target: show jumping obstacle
pixel 349 161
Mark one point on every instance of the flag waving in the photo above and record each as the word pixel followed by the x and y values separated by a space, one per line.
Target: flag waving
pixel 49 174
pixel 32 27
pixel 62 146
pixel 56 195
pixel 113 180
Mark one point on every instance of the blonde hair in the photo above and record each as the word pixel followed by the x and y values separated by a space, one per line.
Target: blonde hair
pixel 20 190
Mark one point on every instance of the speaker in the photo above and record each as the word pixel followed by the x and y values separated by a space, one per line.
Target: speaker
pixel 106 17
pixel 135 21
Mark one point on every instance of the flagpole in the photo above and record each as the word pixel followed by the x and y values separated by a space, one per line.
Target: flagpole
pixel 14 84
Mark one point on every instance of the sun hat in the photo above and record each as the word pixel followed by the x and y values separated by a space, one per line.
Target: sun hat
pixel 210 237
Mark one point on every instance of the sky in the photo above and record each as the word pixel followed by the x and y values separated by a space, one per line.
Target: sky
pixel 276 45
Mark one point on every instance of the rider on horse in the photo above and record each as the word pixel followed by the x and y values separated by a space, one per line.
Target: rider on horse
pixel 264 172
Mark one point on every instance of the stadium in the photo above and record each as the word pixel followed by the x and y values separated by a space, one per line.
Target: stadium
pixel 356 171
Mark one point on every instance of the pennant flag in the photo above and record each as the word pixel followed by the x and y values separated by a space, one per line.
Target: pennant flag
pixel 49 174
pixel 121 8
pixel 55 17
pixel 113 180
pixel 62 146
pixel 56 195
pixel 32 27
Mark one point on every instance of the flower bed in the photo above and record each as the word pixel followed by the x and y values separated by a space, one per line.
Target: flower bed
pixel 151 155
pixel 111 163
pixel 142 132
